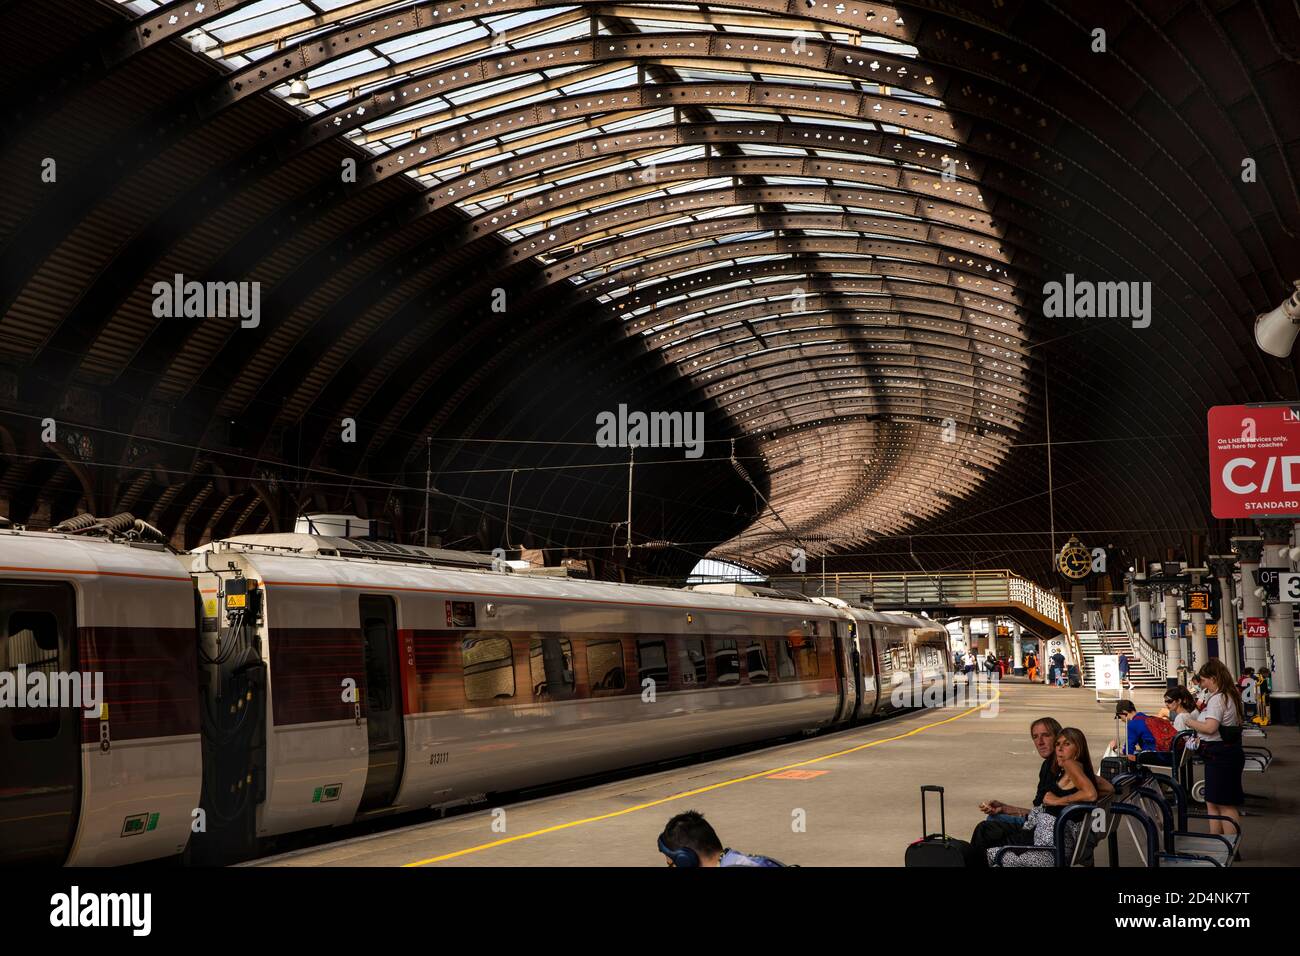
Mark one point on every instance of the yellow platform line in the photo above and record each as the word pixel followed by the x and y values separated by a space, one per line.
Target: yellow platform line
pixel 691 793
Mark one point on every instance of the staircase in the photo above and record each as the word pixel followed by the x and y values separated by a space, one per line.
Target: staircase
pixel 1093 643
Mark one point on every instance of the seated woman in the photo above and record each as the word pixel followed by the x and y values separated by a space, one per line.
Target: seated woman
pixel 1076 782
pixel 1182 706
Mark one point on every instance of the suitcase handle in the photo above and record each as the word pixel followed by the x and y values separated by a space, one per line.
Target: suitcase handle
pixel 943 823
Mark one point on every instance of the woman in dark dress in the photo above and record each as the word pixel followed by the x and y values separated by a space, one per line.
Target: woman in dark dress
pixel 1218 741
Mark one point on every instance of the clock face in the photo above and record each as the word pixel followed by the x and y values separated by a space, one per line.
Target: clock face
pixel 1075 561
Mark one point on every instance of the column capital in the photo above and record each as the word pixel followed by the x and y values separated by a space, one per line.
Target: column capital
pixel 1222 565
pixel 1142 592
pixel 1275 530
pixel 1249 549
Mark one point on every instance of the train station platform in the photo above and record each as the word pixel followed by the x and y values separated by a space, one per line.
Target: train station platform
pixel 844 799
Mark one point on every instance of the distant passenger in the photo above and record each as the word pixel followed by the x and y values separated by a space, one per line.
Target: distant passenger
pixel 1181 705
pixel 688 840
pixel 990 662
pixel 1146 734
pixel 1124 679
pixel 1199 691
pixel 1058 669
pixel 1031 666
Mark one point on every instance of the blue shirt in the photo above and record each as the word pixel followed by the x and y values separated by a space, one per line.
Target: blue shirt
pixel 1139 734
pixel 736 858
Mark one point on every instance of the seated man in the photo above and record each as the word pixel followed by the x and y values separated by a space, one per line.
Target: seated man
pixel 1141 738
pixel 1043 732
pixel 1005 825
pixel 688 840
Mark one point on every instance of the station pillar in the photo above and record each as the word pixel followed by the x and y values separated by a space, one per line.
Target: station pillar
pixel 1221 565
pixel 1017 652
pixel 1284 706
pixel 966 637
pixel 1281 659
pixel 1200 643
pixel 1249 551
pixel 1173 645
pixel 1142 591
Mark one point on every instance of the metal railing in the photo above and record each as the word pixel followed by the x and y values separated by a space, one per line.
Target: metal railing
pixel 1153 659
pixel 984 587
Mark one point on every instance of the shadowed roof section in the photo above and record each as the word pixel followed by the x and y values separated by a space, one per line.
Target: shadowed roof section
pixel 476 226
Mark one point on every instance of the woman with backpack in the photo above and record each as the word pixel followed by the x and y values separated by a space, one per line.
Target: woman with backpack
pixel 1218 741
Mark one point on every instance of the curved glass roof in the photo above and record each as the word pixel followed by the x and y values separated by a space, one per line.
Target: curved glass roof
pixel 770 195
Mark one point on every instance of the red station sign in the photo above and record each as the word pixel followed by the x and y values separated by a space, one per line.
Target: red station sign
pixel 1254 460
pixel 1256 627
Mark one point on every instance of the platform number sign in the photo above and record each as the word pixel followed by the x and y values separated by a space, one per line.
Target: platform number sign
pixel 1269 579
pixel 1288 587
pixel 1197 599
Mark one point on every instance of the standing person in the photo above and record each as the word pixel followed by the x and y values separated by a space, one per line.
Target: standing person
pixel 1124 679
pixel 990 662
pixel 1058 669
pixel 1031 666
pixel 1218 741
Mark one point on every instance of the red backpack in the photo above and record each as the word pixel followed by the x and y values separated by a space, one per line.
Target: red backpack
pixel 1162 730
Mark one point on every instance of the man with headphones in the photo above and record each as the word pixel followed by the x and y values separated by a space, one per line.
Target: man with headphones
pixel 688 840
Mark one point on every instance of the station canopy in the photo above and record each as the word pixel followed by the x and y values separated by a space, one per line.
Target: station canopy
pixel 830 222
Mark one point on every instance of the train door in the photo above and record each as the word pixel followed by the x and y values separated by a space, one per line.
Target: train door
pixel 40 747
pixel 383 701
pixel 855 660
pixel 845 673
pixel 848 691
pixel 873 669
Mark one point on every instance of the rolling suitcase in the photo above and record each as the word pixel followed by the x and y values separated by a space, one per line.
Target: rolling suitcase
pixel 937 849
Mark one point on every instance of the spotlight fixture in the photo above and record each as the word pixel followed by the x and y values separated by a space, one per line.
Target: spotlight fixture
pixel 1276 330
pixel 298 90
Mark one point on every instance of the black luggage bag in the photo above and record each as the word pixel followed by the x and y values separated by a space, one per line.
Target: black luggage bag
pixel 937 849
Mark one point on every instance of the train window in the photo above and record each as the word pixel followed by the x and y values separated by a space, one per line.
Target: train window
pixel 692 664
pixel 489 668
pixel 31 639
pixel 550 663
pixel 805 656
pixel 605 665
pixel 726 662
pixel 652 662
pixel 756 662
pixel 784 660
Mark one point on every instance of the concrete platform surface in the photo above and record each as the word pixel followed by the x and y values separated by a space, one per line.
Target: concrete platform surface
pixel 845 799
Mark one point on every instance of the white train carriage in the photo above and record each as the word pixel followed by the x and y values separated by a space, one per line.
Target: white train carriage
pixel 469 682
pixel 113 624
pixel 280 683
